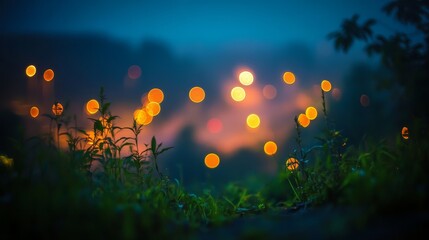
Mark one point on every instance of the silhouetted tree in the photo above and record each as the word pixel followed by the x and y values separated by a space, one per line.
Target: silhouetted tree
pixel 406 55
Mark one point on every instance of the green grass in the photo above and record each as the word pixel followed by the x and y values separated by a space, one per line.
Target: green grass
pixel 55 193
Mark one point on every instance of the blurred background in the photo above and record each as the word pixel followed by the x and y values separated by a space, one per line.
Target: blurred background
pixel 131 47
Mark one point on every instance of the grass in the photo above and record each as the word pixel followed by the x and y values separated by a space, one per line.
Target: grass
pixel 54 193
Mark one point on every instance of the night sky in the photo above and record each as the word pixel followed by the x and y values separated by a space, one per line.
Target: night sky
pixel 176 45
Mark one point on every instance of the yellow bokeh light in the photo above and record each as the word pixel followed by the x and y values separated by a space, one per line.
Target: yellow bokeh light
pixel 311 113
pixel 48 75
pixel 253 121
pixel 326 85
pixel 270 148
pixel 197 94
pixel 292 164
pixel 246 78
pixel 34 112
pixel 30 71
pixel 153 109
pixel 155 95
pixel 57 109
pixel 92 106
pixel 289 77
pixel 405 133
pixel 140 116
pixel 6 161
pixel 238 94
pixel 303 120
pixel 212 160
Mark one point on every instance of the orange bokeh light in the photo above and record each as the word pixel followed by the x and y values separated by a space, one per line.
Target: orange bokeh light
pixel 289 77
pixel 48 75
pixel 153 109
pixel 311 113
pixel 303 120
pixel 292 164
pixel 155 95
pixel 92 106
pixel 238 94
pixel 57 109
pixel 140 116
pixel 270 148
pixel 253 120
pixel 246 78
pixel 197 94
pixel 212 160
pixel 405 133
pixel 326 85
pixel 34 111
pixel 30 70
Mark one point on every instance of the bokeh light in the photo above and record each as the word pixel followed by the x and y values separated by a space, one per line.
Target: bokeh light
pixel 92 106
pixel 238 94
pixel 289 77
pixel 197 94
pixel 364 100
pixel 246 78
pixel 140 116
pixel 405 133
pixel 57 109
pixel 155 95
pixel 214 125
pixel 326 85
pixel 48 75
pixel 34 112
pixel 134 72
pixel 269 91
pixel 311 113
pixel 30 71
pixel 253 120
pixel 148 118
pixel 153 109
pixel 270 148
pixel 292 164
pixel 303 120
pixel 212 160
pixel 336 93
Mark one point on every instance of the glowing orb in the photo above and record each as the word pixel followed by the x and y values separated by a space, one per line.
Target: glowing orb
pixel 246 78
pixel 326 85
pixel 364 100
pixel 155 95
pixel 57 109
pixel 269 91
pixel 212 160
pixel 292 164
pixel 214 125
pixel 311 113
pixel 303 120
pixel 238 94
pixel 270 148
pixel 34 111
pixel 253 121
pixel 405 133
pixel 197 94
pixel 153 109
pixel 48 75
pixel 140 116
pixel 134 72
pixel 148 119
pixel 289 78
pixel 92 106
pixel 30 70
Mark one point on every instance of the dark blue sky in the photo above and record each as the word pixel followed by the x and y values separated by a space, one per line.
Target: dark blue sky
pixel 186 24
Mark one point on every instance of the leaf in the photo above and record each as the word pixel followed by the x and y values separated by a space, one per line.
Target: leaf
pixel 153 145
pixel 165 149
